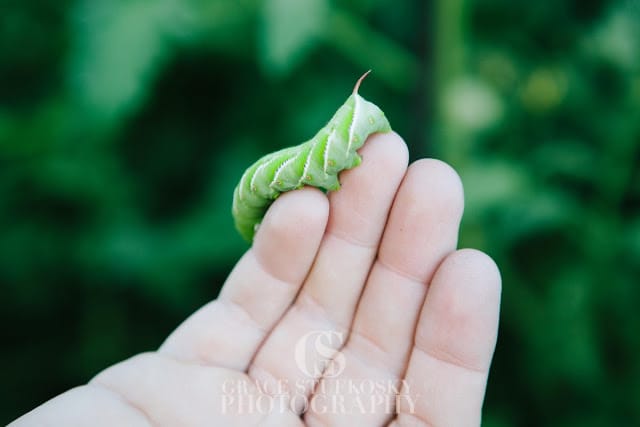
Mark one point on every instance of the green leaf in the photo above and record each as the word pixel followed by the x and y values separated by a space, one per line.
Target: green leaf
pixel 118 47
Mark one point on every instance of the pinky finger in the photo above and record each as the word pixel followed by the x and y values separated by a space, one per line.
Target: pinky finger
pixel 454 343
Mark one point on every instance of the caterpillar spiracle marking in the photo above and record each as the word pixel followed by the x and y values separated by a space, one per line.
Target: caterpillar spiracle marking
pixel 316 162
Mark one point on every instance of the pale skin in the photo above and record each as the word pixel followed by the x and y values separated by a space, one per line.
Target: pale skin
pixel 375 263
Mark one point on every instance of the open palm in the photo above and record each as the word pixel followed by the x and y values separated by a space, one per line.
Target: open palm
pixel 354 309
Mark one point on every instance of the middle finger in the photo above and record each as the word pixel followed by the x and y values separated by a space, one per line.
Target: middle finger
pixel 325 307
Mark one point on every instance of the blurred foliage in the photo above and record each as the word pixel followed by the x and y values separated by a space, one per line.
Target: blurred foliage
pixel 124 125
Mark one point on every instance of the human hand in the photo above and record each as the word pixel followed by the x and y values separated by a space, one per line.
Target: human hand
pixel 368 278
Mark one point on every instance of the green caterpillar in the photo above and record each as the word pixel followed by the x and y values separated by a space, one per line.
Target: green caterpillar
pixel 316 162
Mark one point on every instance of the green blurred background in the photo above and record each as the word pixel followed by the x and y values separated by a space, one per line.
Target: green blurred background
pixel 124 126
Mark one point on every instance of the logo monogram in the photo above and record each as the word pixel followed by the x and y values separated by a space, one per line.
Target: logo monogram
pixel 316 354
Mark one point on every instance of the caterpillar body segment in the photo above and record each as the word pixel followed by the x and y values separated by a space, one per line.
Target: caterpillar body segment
pixel 316 162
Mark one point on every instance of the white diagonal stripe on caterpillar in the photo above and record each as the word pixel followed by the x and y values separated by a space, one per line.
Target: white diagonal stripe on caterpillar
pixel 307 163
pixel 266 163
pixel 353 121
pixel 241 186
pixel 327 148
pixel 276 176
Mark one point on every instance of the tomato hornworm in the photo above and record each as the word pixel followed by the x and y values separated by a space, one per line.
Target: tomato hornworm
pixel 316 162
